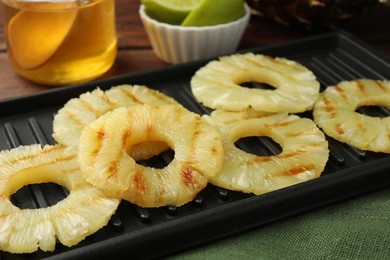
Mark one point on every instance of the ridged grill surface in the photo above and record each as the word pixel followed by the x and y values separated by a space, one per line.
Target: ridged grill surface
pixel 333 58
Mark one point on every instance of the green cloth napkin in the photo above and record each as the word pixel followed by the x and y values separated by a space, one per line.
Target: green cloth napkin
pixel 357 228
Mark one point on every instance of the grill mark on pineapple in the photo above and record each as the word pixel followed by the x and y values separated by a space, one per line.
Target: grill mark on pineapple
pixel 39 153
pixel 126 135
pixel 382 86
pixel 156 94
pixel 217 69
pixel 149 130
pixel 258 159
pixel 341 92
pixel 131 96
pixel 361 87
pixel 328 105
pixel 65 159
pixel 214 81
pixel 197 132
pixel 280 124
pixel 305 130
pixel 100 136
pixel 299 133
pixel 187 176
pixel 339 129
pixel 106 99
pixel 300 169
pixel 214 150
pixel 112 169
pixel 114 166
pixel 89 107
pixel 238 67
pixel 139 183
pixel 74 117
pixel 269 58
pixel 54 160
pixel 258 64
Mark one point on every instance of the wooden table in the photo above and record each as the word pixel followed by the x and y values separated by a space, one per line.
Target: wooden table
pixel 135 53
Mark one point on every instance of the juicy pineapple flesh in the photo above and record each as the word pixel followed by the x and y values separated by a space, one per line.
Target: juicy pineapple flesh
pixel 218 85
pixel 336 113
pixel 105 161
pixel 84 211
pixel 69 121
pixel 303 157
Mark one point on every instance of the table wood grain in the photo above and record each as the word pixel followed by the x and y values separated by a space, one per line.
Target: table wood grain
pixel 135 53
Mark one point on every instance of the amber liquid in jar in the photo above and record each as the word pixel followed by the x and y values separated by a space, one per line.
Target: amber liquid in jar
pixel 60 42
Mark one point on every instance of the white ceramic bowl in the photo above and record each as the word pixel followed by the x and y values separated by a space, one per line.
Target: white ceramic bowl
pixel 177 44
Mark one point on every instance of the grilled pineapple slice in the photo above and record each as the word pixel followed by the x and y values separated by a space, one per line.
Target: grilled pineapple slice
pixel 105 162
pixel 128 95
pixel 217 84
pixel 79 112
pixel 84 211
pixel 335 112
pixel 303 157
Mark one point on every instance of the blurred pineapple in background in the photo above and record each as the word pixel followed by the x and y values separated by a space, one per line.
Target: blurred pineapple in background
pixel 312 13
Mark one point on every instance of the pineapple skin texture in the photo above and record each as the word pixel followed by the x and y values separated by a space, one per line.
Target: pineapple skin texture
pixel 84 211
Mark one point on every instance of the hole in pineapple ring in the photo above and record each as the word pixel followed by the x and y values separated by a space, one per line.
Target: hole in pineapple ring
pixel 294 87
pixel 298 151
pixel 373 111
pixel 342 113
pixel 84 211
pixel 24 188
pixel 259 145
pixel 105 161
pixel 257 85
pixel 21 198
pixel 152 153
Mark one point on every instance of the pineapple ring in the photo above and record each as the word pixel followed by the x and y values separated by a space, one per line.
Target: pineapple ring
pixel 105 162
pixel 79 112
pixel 335 112
pixel 217 84
pixel 304 151
pixel 84 211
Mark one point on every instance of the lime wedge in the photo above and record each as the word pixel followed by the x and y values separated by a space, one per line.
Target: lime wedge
pixel 169 11
pixel 35 36
pixel 213 12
